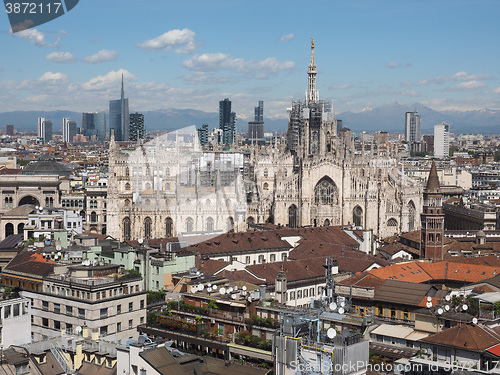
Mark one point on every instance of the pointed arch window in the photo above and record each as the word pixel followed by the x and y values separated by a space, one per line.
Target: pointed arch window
pixel 357 216
pixel 325 192
pixel 169 227
pixel 148 224
pixel 292 216
pixel 126 228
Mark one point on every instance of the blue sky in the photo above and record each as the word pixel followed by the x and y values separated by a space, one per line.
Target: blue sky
pixel 191 54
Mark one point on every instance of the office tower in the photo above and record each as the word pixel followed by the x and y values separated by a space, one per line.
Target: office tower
pixel 428 141
pixel 412 127
pixel 441 140
pixel 44 130
pixel 119 118
pixel 68 130
pixel 203 134
pixel 227 122
pixel 94 125
pixel 340 125
pixel 256 127
pixel 137 130
pixel 432 219
pixel 10 130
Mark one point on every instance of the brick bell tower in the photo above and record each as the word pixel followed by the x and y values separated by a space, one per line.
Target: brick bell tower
pixel 432 219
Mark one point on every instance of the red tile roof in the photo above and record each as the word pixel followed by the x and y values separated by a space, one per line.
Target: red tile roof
pixel 466 336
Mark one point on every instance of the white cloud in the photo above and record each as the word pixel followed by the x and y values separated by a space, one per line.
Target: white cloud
pixel 392 65
pixel 468 86
pixel 53 77
pixel 108 81
pixel 212 62
pixel 287 37
pixel 459 76
pixel 33 36
pixel 496 91
pixel 101 56
pixel 178 41
pixel 341 87
pixel 61 57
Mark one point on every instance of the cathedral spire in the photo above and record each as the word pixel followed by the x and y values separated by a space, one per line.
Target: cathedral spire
pixel 312 95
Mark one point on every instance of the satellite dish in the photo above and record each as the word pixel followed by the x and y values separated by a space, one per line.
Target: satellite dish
pixel 440 311
pixel 342 304
pixel 141 340
pixel 214 287
pixel 140 240
pixel 235 287
pixel 244 287
pixel 209 289
pixel 474 320
pixel 332 306
pixel 428 304
pixel 429 299
pixel 233 296
pixel 201 287
pixel 341 310
pixel 209 285
pixel 230 290
pixel 249 299
pixel 193 288
pixel 448 297
pixel 222 290
pixel 465 307
pixel 331 333
pixel 447 307
pixel 78 329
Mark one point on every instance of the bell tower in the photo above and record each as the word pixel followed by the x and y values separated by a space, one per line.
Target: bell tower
pixel 432 219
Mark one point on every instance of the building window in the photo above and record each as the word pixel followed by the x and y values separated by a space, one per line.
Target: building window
pixel 247 260
pixel 81 313
pixel 357 216
pixel 130 324
pixel 147 227
pixel 325 192
pixel 142 303
pixel 299 294
pixel 45 322
pixel 130 306
pixel 210 224
pixel 69 310
pixel 104 312
pixel 126 229
pixel 57 308
pixel 103 331
pixel 45 305
pixel 283 256
pixel 292 216
pixel 272 258
pixel 169 227
pixel 142 320
pixel 189 225
pixel 118 326
pixel 292 296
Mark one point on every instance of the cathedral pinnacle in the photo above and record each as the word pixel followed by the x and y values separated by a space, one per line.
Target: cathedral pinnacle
pixel 312 95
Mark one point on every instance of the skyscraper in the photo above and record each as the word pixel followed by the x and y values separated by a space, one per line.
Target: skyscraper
pixel 94 125
pixel 119 118
pixel 203 134
pixel 227 122
pixel 412 127
pixel 68 130
pixel 441 140
pixel 10 130
pixel 256 127
pixel 137 129
pixel 44 130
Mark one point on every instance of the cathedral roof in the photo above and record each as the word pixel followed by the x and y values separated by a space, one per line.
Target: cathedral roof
pixel 433 181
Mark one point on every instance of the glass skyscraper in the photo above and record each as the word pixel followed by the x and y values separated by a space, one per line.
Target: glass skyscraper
pixel 119 118
pixel 227 122
pixel 94 124
pixel 137 129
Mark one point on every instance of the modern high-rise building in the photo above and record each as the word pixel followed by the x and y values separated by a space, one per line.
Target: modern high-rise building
pixel 119 119
pixel 10 130
pixel 44 130
pixel 68 130
pixel 94 125
pixel 441 140
pixel 137 130
pixel 412 127
pixel 256 127
pixel 227 122
pixel 203 134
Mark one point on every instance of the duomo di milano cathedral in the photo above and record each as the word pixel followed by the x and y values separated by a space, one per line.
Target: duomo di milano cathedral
pixel 170 187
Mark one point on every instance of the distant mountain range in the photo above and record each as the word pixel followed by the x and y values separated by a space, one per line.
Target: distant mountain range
pixel 388 118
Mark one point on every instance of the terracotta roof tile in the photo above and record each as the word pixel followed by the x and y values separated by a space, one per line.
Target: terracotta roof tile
pixel 465 336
